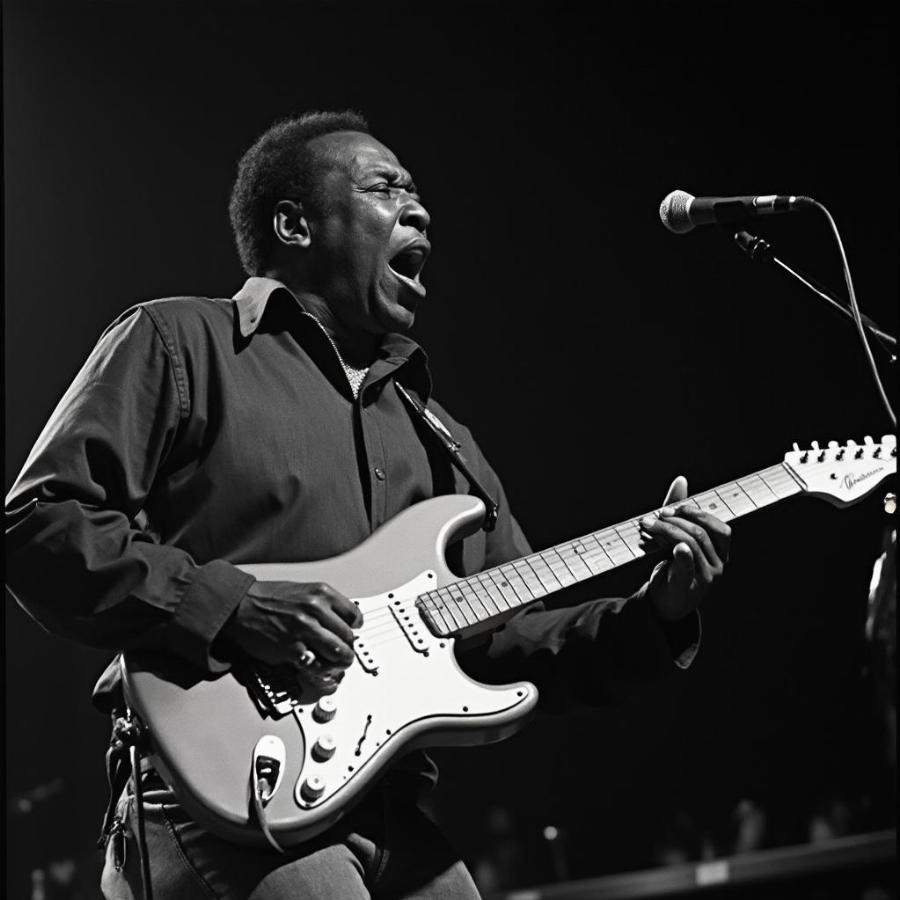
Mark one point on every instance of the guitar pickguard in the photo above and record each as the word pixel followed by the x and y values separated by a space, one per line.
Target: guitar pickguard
pixel 416 685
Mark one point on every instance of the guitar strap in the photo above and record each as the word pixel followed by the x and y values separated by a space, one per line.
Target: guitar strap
pixel 452 448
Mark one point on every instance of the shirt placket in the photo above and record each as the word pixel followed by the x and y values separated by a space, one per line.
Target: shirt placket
pixel 377 463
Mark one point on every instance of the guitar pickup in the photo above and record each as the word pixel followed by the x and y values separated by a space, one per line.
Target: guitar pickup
pixel 410 622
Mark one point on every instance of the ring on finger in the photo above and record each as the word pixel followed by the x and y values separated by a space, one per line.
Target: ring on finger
pixel 306 659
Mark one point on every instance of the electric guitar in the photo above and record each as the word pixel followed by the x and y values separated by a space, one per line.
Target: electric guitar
pixel 253 757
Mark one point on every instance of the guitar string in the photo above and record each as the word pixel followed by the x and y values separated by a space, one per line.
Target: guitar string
pixel 387 629
pixel 480 590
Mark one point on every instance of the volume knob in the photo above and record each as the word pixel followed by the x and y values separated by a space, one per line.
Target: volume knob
pixel 324 748
pixel 325 709
pixel 312 788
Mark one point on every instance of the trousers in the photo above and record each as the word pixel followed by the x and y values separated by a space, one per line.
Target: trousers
pixel 386 848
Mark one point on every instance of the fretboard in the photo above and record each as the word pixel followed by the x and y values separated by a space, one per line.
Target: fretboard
pixel 485 600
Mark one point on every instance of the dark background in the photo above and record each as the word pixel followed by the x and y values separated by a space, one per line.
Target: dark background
pixel 594 354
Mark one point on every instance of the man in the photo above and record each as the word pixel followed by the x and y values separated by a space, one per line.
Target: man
pixel 202 434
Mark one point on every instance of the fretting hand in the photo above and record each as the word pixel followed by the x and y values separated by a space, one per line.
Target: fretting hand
pixel 699 545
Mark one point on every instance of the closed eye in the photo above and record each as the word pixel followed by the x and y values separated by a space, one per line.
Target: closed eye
pixel 384 188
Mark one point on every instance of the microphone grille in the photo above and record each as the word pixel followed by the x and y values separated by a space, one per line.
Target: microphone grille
pixel 674 212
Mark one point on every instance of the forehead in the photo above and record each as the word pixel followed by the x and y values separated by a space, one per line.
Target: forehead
pixel 356 154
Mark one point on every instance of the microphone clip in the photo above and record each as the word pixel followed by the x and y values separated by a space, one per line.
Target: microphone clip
pixel 757 248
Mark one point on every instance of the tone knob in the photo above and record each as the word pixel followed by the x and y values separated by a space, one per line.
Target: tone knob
pixel 324 748
pixel 325 709
pixel 312 788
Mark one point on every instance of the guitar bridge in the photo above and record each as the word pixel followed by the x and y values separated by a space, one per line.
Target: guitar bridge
pixel 275 691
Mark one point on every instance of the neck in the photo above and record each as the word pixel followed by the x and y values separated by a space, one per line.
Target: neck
pixel 481 602
pixel 357 348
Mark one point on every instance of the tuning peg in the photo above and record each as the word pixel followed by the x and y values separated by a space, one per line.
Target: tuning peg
pixel 851 443
pixel 868 439
pixel 796 447
pixel 815 446
pixel 832 445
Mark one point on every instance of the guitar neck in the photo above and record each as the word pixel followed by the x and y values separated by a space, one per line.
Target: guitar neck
pixel 483 601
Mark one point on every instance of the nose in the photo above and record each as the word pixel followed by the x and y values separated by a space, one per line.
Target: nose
pixel 414 214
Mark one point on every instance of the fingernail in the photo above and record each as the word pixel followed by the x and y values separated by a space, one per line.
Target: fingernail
pixel 667 511
pixel 647 522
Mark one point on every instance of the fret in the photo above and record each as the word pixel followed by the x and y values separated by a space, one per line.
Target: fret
pixel 506 590
pixel 545 574
pixel 523 592
pixel 757 490
pixel 596 557
pixel 464 604
pixel 572 558
pixel 476 604
pixel 724 506
pixel 630 536
pixel 558 566
pixel 780 481
pixel 736 498
pixel 454 609
pixel 597 538
pixel 529 576
pixel 437 607
pixel 482 596
pixel 711 502
pixel 615 549
pixel 495 594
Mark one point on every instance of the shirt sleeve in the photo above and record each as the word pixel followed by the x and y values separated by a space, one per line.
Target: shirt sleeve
pixel 78 559
pixel 591 654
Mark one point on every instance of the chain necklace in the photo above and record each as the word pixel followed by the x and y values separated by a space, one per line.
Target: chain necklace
pixel 355 377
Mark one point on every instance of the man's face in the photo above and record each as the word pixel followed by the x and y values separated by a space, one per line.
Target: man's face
pixel 368 246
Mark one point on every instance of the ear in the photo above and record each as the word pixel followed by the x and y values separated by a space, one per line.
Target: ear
pixel 290 225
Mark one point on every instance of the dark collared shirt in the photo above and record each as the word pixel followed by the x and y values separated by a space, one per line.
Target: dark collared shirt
pixel 204 433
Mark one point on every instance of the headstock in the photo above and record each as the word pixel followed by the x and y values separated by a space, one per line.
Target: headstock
pixel 844 473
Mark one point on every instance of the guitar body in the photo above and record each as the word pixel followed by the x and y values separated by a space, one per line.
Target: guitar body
pixel 404 690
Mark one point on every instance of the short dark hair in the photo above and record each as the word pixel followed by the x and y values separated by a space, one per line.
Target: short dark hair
pixel 280 166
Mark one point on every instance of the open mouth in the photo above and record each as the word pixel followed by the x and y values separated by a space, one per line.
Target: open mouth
pixel 407 265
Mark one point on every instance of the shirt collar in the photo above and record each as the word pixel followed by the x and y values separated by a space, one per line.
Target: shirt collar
pixel 251 301
pixel 397 349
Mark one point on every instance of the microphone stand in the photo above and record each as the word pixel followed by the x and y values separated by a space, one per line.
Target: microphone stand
pixel 759 250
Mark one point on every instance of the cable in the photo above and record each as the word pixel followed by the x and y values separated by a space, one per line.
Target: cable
pixel 857 315
pixel 141 834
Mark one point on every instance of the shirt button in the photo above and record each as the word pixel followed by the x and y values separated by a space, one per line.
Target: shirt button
pixel 379 474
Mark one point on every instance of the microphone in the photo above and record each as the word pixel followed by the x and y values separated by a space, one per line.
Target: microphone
pixel 682 212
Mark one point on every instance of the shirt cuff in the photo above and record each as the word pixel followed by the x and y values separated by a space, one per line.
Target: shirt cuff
pixel 213 594
pixel 683 638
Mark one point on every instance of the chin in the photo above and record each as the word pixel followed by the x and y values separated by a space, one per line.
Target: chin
pixel 401 323
pixel 395 316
